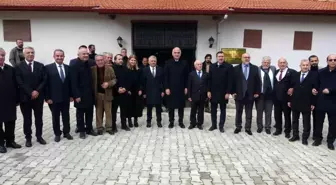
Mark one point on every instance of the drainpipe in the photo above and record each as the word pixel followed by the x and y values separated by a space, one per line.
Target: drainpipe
pixel 218 33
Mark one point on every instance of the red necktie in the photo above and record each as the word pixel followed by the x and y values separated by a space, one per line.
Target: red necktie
pixel 280 77
pixel 30 67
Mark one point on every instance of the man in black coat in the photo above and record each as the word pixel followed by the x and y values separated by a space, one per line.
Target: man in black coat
pixel 120 72
pixel 219 89
pixel 246 88
pixel 197 94
pixel 326 98
pixel 81 87
pixel 176 77
pixel 58 94
pixel 152 88
pixel 282 83
pixel 302 100
pixel 31 78
pixel 206 67
pixel 9 100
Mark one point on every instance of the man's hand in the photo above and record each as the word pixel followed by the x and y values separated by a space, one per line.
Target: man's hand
pixel 185 91
pixel 314 91
pixel 49 102
pixel 35 94
pixel 234 95
pixel 129 92
pixel 209 95
pixel 256 95
pixel 162 94
pixel 168 92
pixel 289 105
pixel 105 85
pixel 312 107
pixel 121 90
pixel 144 96
pixel 140 93
pixel 189 99
pixel 290 91
pixel 227 96
pixel 78 100
pixel 325 91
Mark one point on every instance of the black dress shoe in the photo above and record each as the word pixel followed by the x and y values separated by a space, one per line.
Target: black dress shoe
pixel 181 125
pixel 13 145
pixel 331 146
pixel 115 130
pixel 125 128
pixel 237 130
pixel 249 132
pixel 130 124
pixel 149 125
pixel 304 142
pixel 41 141
pixel 76 131
pixel 92 133
pixel 29 143
pixel 221 130
pixel 171 125
pixel 191 126
pixel 287 135
pixel 57 138
pixel 159 124
pixel 294 138
pixel 3 149
pixel 276 133
pixel 82 135
pixel 68 136
pixel 317 143
pixel 100 132
pixel 200 127
pixel 136 124
pixel 212 128
pixel 111 132
pixel 259 130
pixel 268 131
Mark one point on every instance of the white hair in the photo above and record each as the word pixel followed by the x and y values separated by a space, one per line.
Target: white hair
pixel 2 50
pixel 28 48
pixel 152 57
pixel 266 58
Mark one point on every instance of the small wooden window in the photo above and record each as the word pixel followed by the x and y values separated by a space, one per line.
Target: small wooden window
pixel 303 40
pixel 17 29
pixel 252 38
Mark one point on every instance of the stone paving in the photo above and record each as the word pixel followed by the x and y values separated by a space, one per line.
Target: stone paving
pixel 167 156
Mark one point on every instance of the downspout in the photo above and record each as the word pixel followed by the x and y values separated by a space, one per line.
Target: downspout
pixel 218 33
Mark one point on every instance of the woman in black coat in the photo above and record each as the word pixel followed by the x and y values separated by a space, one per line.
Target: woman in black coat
pixel 133 96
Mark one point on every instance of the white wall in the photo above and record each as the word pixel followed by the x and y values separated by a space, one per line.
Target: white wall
pixel 51 30
pixel 278 36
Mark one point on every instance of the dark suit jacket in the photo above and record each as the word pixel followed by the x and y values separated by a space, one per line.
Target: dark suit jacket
pixel 326 80
pixel 302 98
pixel 81 84
pixel 253 85
pixel 56 90
pixel 220 82
pixel 31 81
pixel 281 87
pixel 73 61
pixel 152 87
pixel 197 87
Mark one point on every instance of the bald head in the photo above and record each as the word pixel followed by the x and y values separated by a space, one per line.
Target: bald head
pixel 282 63
pixel 83 54
pixel 198 65
pixel 2 57
pixel 176 53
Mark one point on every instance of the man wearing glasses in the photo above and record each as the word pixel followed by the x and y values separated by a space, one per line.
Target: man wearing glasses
pixel 326 99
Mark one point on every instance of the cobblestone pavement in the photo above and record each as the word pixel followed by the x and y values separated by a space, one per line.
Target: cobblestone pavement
pixel 167 156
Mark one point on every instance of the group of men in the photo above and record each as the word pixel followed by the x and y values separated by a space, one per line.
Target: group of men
pixel 92 80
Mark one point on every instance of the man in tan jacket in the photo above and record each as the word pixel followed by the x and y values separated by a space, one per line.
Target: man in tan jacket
pixel 103 79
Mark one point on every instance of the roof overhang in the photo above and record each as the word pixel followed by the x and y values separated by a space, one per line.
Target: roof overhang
pixel 283 11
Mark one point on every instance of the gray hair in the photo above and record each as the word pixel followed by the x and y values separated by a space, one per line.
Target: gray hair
pixel 197 61
pixel 58 50
pixel 99 55
pixel 2 50
pixel 304 60
pixel 107 53
pixel 152 57
pixel 266 58
pixel 28 47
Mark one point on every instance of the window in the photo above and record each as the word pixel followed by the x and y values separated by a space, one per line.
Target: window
pixel 16 29
pixel 302 40
pixel 252 38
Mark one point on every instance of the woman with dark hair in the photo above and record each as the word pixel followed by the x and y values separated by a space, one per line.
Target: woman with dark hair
pixel 133 96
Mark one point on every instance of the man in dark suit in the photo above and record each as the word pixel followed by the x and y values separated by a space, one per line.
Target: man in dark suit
pixel 197 93
pixel 31 78
pixel 58 94
pixel 176 79
pixel 219 89
pixel 81 86
pixel 9 100
pixel 302 100
pixel 153 91
pixel 282 83
pixel 326 98
pixel 92 52
pixel 206 67
pixel 245 89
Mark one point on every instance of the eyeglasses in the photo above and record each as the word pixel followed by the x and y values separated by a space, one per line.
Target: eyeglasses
pixel 332 60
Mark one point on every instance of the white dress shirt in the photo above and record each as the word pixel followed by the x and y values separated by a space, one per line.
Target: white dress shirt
pixel 283 74
pixel 199 74
pixel 2 67
pixel 305 75
pixel 32 65
pixel 270 74
pixel 59 70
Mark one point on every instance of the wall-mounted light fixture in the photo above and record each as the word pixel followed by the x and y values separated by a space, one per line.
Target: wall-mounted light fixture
pixel 211 41
pixel 119 40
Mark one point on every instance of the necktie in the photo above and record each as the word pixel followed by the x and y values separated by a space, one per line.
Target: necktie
pixel 245 71
pixel 30 67
pixel 302 77
pixel 280 77
pixel 153 72
pixel 199 74
pixel 62 74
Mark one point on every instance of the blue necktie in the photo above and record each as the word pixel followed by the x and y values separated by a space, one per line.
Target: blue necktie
pixel 302 77
pixel 199 74
pixel 62 74
pixel 245 71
